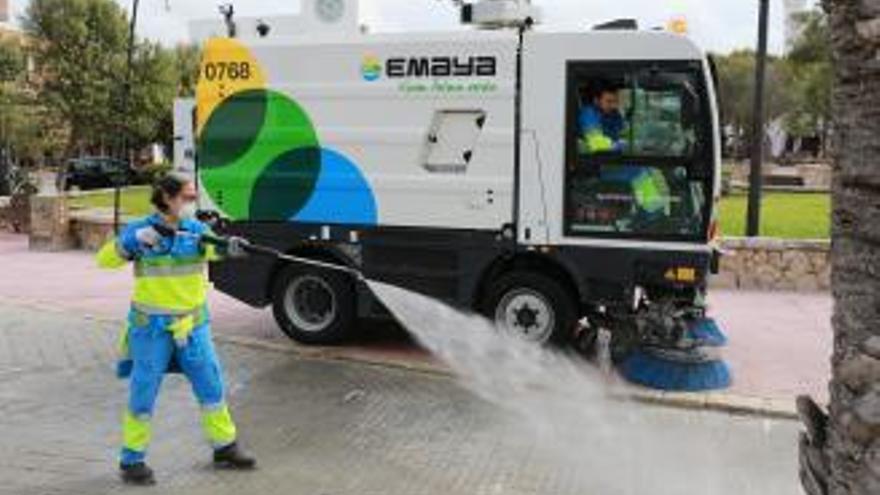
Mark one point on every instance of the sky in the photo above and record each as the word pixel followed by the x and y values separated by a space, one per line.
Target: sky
pixel 717 25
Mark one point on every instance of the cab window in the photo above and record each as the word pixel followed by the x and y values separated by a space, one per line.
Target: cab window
pixel 639 151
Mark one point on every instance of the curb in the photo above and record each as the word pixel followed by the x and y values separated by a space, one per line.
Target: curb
pixel 720 402
pixel 723 402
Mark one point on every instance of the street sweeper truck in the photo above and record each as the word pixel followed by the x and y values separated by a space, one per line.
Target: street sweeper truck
pixel 561 183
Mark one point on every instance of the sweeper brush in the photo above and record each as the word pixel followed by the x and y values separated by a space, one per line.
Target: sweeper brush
pixel 693 364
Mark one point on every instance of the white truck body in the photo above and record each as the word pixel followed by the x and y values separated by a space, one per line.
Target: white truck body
pixel 466 165
pixel 387 126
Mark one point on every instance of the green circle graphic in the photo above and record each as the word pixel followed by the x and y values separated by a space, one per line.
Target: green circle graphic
pixel 259 156
pixel 286 184
pixel 232 129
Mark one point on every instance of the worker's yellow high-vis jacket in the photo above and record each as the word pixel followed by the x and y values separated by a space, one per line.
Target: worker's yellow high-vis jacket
pixel 169 278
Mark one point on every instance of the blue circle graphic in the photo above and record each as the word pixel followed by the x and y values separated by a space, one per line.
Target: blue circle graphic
pixel 341 195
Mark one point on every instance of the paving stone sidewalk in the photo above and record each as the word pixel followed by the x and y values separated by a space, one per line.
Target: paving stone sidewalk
pixel 329 427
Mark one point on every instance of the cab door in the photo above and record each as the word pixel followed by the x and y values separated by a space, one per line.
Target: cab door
pixel 638 151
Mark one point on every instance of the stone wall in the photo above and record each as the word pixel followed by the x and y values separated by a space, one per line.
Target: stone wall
pixel 775 264
pixel 91 229
pixel 5 212
pixel 55 227
pixel 50 224
pixel 816 176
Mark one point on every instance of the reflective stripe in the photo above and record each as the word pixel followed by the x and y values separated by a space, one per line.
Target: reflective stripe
pixel 143 312
pixel 151 310
pixel 141 270
pixel 192 318
pixel 172 261
pixel 218 425
pixel 136 432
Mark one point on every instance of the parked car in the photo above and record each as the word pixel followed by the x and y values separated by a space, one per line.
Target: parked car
pixel 93 172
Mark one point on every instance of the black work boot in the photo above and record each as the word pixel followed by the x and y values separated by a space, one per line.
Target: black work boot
pixel 137 474
pixel 232 457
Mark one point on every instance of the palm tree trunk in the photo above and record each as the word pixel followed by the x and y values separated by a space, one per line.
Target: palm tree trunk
pixel 840 452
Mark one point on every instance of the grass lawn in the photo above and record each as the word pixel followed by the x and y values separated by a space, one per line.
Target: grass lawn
pixel 783 215
pixel 135 200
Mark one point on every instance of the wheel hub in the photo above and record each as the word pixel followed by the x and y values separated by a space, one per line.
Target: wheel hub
pixel 527 314
pixel 314 300
pixel 526 317
pixel 310 303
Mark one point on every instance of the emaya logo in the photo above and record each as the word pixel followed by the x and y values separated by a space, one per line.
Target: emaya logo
pixel 371 68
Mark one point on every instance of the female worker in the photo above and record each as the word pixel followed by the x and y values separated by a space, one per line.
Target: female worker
pixel 168 324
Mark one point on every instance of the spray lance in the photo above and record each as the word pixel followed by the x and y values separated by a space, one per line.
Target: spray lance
pixel 258 250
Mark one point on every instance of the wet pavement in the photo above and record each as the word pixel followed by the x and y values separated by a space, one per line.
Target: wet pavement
pixel 329 427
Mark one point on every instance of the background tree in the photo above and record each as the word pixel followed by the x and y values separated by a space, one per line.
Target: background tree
pixel 840 452
pixel 155 77
pixel 12 60
pixel 27 129
pixel 809 77
pixel 188 58
pixel 736 80
pixel 80 50
pixel 11 66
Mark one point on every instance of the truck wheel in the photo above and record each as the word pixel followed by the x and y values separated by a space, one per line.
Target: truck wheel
pixel 314 306
pixel 532 306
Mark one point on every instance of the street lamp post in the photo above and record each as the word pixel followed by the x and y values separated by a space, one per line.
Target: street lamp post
pixel 756 178
pixel 126 96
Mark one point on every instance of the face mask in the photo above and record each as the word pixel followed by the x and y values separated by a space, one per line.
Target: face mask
pixel 188 211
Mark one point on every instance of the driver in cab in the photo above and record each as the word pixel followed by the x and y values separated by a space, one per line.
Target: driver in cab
pixel 602 124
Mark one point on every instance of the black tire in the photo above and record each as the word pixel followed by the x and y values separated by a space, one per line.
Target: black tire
pixel 527 287
pixel 302 298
